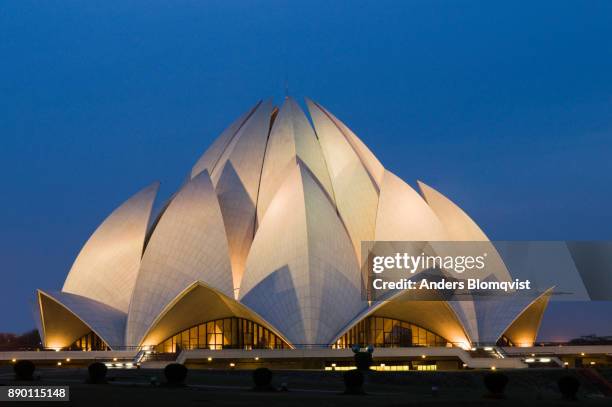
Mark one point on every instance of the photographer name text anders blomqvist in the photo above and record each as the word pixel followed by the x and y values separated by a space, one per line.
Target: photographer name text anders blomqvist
pixel 443 284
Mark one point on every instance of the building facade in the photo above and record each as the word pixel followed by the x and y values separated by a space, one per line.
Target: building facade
pixel 260 249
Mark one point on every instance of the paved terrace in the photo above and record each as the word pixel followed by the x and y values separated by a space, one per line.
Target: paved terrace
pixel 503 358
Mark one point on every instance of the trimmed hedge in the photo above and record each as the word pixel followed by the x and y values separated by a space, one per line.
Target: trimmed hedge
pixel 175 374
pixel 353 382
pixel 24 369
pixel 496 384
pixel 97 373
pixel 262 378
pixel 568 386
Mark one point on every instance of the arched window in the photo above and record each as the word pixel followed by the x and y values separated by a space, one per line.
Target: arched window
pixel 226 333
pixel 89 341
pixel 388 333
pixel 504 341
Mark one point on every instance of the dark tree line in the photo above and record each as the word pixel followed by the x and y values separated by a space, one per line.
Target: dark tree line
pixel 591 340
pixel 11 341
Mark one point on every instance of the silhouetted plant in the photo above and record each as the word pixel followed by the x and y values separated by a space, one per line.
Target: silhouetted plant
pixel 175 374
pixel 262 378
pixel 568 386
pixel 363 360
pixel 353 382
pixel 24 369
pixel 496 383
pixel 97 373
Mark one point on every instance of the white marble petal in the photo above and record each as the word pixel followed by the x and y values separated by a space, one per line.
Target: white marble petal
pixel 66 317
pixel 188 244
pixel 355 191
pixel 301 274
pixel 292 138
pixel 107 266
pixel 236 178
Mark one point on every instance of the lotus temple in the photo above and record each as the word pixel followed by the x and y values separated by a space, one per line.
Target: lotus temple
pixel 257 256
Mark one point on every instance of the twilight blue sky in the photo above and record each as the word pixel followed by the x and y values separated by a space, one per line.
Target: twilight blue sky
pixel 507 109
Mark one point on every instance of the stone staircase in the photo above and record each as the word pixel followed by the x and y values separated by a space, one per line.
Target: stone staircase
pixel 593 376
pixel 154 360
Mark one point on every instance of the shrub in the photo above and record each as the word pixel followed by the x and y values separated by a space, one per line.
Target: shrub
pixel 568 386
pixel 262 378
pixel 353 382
pixel 363 360
pixel 97 372
pixel 496 384
pixel 24 369
pixel 175 374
